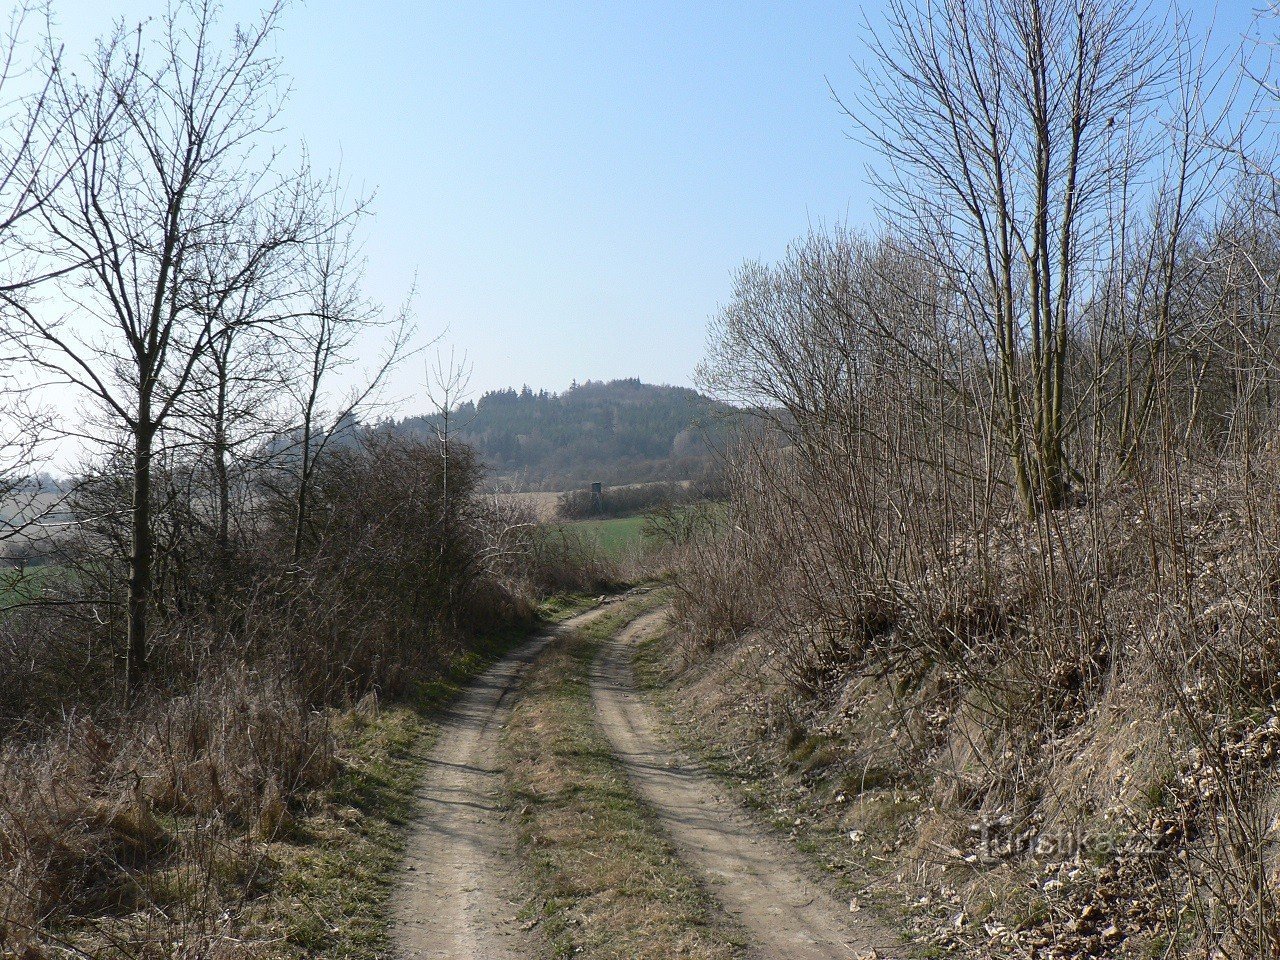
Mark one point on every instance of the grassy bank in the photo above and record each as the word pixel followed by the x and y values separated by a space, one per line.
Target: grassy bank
pixel 338 868
pixel 604 881
pixel 314 876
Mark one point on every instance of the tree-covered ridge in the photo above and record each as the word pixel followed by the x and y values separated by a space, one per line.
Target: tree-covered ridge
pixel 620 431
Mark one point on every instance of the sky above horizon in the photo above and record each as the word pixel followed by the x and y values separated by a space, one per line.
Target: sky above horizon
pixel 573 184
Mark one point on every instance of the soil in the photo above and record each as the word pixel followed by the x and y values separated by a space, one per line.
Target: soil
pixel 458 900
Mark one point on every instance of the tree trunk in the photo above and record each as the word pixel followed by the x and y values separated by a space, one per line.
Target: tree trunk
pixel 304 485
pixel 224 497
pixel 141 556
pixel 220 468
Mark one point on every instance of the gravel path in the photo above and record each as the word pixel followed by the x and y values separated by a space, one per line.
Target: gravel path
pixel 457 901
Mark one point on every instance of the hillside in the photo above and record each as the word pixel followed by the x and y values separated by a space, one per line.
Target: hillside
pixel 622 431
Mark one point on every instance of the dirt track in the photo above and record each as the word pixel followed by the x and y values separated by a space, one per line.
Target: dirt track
pixel 456 902
pixel 753 876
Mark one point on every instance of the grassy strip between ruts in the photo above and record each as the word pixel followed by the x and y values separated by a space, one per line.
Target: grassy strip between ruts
pixel 337 866
pixel 604 881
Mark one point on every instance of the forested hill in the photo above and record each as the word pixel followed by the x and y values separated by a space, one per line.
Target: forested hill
pixel 623 431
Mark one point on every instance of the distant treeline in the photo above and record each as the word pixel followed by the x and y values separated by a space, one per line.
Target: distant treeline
pixel 619 432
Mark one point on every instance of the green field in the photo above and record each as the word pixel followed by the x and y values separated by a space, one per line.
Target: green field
pixel 19 587
pixel 616 537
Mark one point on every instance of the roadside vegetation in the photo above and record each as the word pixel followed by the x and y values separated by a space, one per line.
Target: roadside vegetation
pixel 602 879
pixel 224 632
pixel 250 799
pixel 995 597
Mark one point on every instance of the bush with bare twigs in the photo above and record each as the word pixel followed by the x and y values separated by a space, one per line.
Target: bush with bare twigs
pixel 1102 675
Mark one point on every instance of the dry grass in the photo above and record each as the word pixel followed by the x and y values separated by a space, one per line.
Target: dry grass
pixel 541 506
pixel 604 881
pixel 1069 730
pixel 234 821
pixel 113 838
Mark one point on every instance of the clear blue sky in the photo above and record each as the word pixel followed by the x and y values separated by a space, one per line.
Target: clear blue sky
pixel 574 183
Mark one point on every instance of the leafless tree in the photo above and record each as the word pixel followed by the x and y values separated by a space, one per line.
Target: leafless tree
pixel 447 384
pixel 165 147
pixel 36 158
pixel 39 150
pixel 1010 128
pixel 250 289
pixel 328 330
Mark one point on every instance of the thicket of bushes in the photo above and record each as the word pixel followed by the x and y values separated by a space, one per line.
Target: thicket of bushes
pixel 1015 567
pixel 125 827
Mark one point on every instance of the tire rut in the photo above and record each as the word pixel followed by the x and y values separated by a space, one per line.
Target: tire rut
pixel 752 875
pixel 457 900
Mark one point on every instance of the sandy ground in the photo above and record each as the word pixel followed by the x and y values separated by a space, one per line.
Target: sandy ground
pixel 458 899
pixel 755 878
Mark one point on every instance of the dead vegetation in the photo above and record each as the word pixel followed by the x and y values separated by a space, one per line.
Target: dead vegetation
pixel 1052 737
pixel 1004 539
pixel 116 834
pixel 173 825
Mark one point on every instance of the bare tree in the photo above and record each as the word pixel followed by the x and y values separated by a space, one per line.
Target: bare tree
pixel 324 340
pixel 1010 127
pixel 166 165
pixel 249 291
pixel 36 158
pixel 38 152
pixel 446 386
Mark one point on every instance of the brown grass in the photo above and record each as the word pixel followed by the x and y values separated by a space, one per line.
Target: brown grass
pixel 1104 686
pixel 113 838
pixel 604 881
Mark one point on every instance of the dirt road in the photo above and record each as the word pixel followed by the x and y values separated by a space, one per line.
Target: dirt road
pixel 753 876
pixel 457 902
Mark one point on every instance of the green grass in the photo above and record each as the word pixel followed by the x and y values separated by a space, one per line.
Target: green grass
pixel 620 537
pixel 615 537
pixel 337 871
pixel 17 587
pixel 556 609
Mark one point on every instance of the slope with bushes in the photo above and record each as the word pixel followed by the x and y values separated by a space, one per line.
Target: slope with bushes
pixel 241 803
pixel 990 613
pixel 1022 763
